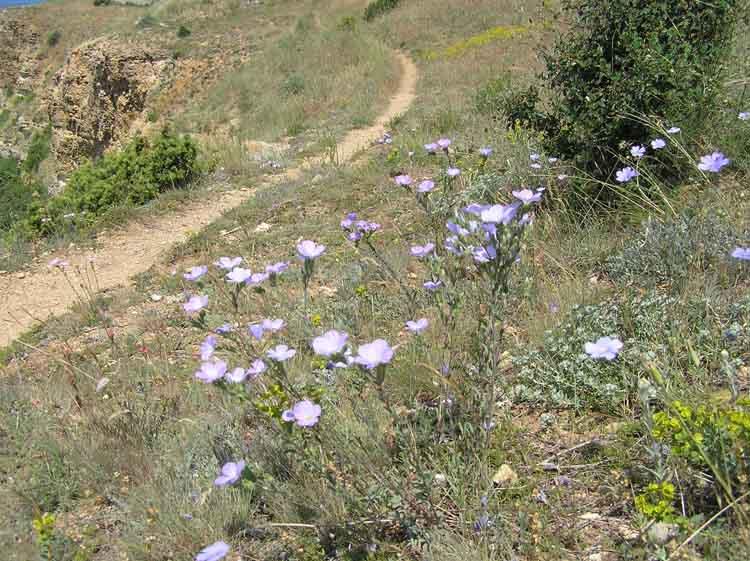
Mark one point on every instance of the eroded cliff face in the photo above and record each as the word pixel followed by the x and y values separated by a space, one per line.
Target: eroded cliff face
pixel 19 44
pixel 95 97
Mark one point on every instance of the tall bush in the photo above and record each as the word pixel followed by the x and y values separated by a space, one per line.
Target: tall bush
pixel 621 58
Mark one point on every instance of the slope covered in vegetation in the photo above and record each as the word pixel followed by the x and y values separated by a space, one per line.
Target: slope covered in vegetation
pixel 463 346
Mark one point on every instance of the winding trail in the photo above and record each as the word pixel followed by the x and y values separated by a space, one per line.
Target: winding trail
pixel 37 294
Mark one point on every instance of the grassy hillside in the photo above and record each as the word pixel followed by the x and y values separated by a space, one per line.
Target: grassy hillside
pixel 495 430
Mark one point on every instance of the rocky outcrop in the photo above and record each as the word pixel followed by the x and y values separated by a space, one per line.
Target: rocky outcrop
pixel 19 43
pixel 102 88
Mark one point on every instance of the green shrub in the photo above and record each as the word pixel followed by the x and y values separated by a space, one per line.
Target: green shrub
pixel 622 58
pixel 710 438
pixel 378 8
pixel 498 98
pixel 135 175
pixel 17 199
pixel 183 32
pixel 562 375
pixel 293 85
pixel 53 38
pixel 670 251
pixel 38 150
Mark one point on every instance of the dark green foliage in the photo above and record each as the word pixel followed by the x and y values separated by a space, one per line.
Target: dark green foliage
pixel 664 252
pixel 629 57
pixel 53 38
pixel 378 8
pixel 183 32
pixel 16 197
pixel 102 2
pixel 294 85
pixel 497 97
pixel 135 175
pixel 38 150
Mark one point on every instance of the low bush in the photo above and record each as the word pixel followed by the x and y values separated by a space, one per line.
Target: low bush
pixel 378 8
pixel 665 252
pixel 135 175
pixel 17 198
pixel 562 375
pixel 53 38
pixel 38 150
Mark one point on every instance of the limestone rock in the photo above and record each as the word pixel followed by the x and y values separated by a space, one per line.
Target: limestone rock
pixel 102 88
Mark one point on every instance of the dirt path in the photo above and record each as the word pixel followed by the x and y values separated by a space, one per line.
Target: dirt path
pixel 35 295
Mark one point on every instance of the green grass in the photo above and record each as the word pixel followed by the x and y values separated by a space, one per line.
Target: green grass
pixel 314 81
pixel 128 470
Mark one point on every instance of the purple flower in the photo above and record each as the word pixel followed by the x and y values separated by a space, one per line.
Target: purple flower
pixel 536 165
pixel 308 249
pixel 347 222
pixel 625 174
pixel 534 157
pixel 553 160
pixel 485 152
pixel 476 209
pixel 236 376
pixel 195 273
pixel 713 162
pixel 658 143
pixel 277 268
pixel 526 219
pixel 367 227
pixel 57 262
pixel 453 172
pixel 741 253
pixel 421 251
pixel 417 326
pixel 673 130
pixel 456 229
pixel 256 330
pixel 238 275
pixel 257 368
pixel 403 180
pixel 431 148
pixel 213 552
pixel 208 346
pixel 230 473
pixel 225 328
pixel 372 355
pixel 280 353
pixel 211 371
pixel 305 413
pixel 425 186
pixel 195 304
pixel 331 343
pixel 484 254
pixel 256 278
pixel 272 325
pixel 527 196
pixel 433 285
pixel 638 151
pixel 451 245
pixel 499 214
pixel 744 116
pixel 444 143
pixel 228 263
pixel 605 348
